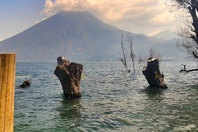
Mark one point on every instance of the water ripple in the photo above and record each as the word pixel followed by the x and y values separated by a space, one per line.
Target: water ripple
pixel 112 100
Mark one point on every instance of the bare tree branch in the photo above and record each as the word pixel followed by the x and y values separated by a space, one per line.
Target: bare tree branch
pixel 123 60
pixel 190 32
pixel 132 55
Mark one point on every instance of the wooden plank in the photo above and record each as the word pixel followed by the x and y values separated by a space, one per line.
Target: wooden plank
pixel 7 86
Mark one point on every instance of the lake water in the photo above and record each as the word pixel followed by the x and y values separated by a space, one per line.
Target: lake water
pixel 112 100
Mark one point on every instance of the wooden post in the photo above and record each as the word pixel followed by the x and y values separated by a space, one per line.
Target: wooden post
pixel 7 86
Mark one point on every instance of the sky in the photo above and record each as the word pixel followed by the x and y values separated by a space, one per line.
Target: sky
pixel 137 16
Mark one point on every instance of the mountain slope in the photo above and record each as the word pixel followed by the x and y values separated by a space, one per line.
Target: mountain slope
pixel 75 35
pixel 66 33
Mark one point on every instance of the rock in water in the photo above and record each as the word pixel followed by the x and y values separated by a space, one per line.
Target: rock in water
pixel 69 74
pixel 153 75
pixel 25 84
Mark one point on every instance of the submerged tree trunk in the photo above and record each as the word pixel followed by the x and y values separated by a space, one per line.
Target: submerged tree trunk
pixel 153 75
pixel 123 60
pixel 132 55
pixel 69 74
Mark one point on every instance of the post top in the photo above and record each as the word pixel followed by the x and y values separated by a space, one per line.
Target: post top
pixel 6 53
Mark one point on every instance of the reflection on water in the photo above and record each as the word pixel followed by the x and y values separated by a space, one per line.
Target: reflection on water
pixel 70 108
pixel 154 93
pixel 69 114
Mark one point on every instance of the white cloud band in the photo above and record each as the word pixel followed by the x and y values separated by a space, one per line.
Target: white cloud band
pixel 120 13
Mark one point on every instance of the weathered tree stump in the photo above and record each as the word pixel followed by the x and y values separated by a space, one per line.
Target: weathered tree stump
pixel 69 74
pixel 153 75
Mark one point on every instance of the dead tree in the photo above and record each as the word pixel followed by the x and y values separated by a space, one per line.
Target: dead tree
pixel 132 55
pixel 153 75
pixel 69 74
pixel 189 32
pixel 124 59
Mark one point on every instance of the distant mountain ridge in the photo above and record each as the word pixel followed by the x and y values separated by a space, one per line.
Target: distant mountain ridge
pixel 166 35
pixel 77 36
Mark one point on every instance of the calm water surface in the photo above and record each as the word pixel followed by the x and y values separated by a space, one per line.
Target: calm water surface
pixel 112 100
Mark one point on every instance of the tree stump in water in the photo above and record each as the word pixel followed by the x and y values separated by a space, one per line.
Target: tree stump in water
pixel 69 74
pixel 25 84
pixel 153 75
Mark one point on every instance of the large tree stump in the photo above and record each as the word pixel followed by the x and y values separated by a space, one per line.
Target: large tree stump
pixel 153 75
pixel 69 74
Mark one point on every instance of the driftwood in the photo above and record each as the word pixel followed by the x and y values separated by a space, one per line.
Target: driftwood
pixel 153 75
pixel 184 69
pixel 69 74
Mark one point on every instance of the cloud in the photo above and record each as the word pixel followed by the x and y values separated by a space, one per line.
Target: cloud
pixel 59 5
pixel 120 13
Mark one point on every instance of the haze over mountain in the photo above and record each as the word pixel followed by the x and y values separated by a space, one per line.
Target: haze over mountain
pixel 166 35
pixel 78 36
